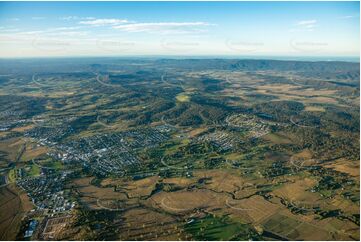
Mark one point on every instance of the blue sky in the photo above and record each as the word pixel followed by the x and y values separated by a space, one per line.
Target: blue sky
pixel 41 29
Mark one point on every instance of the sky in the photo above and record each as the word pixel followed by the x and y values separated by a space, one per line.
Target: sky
pixel 61 29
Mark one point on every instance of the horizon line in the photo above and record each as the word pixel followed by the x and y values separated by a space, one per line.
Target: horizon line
pixel 327 58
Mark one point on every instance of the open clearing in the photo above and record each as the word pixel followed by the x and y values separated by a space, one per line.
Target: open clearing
pixel 183 98
pixel 187 201
pixel 145 224
pixel 90 194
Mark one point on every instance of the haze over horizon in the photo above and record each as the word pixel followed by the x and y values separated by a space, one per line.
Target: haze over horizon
pixel 288 29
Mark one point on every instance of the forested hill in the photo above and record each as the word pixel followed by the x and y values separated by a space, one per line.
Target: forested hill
pixel 332 70
pixel 340 70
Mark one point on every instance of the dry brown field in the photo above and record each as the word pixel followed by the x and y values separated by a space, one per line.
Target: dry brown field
pixel 13 205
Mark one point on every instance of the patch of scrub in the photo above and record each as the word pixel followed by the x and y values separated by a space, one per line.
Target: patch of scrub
pixel 182 97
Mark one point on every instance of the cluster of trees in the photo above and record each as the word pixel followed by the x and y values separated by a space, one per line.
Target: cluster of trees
pixel 325 146
pixel 280 111
pixel 20 107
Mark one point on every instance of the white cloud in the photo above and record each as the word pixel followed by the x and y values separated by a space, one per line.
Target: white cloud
pixel 305 25
pixel 64 28
pixel 59 32
pixel 156 27
pixel 306 22
pixel 102 22
pixel 68 18
pixel 347 17
pixel 163 27
pixel 68 33
pixel 30 32
pixel 6 29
